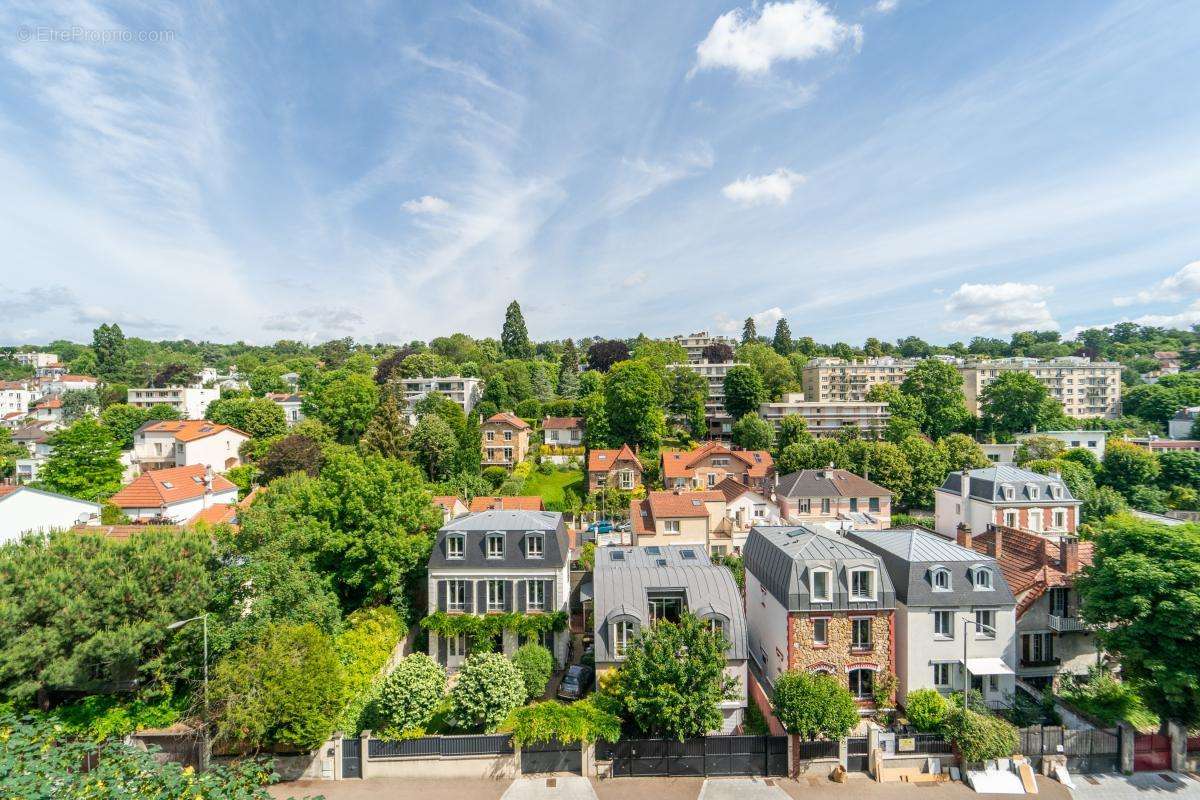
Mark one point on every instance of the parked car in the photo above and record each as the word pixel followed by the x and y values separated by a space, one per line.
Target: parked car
pixel 623 527
pixel 602 526
pixel 576 683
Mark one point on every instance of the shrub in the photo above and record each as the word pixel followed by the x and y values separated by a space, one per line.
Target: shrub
pixel 926 709
pixel 535 663
pixel 587 556
pixel 981 737
pixel 489 688
pixel 814 704
pixel 521 471
pixel 411 694
pixel 363 649
pixel 1100 695
pixel 577 722
pixel 495 475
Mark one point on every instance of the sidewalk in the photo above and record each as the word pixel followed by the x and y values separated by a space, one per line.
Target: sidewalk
pixel 393 789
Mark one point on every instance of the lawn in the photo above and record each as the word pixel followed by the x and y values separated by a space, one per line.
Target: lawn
pixel 553 488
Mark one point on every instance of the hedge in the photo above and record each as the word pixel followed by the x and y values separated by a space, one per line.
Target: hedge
pixel 364 649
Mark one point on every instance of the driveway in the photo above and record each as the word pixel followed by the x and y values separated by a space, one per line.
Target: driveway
pixel 1138 786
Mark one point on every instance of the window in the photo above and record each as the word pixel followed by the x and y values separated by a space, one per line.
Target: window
pixel 854 504
pixel 1058 601
pixel 862 683
pixel 495 545
pixel 820 585
pixel 716 625
pixel 712 479
pixel 535 595
pixel 1035 519
pixel 535 544
pixel 508 436
pixel 456 646
pixel 456 595
pixel 941 580
pixel 820 627
pixel 941 675
pixel 490 436
pixel 1009 492
pixel 943 624
pixel 626 479
pixel 993 683
pixel 983 579
pixel 1060 519
pixel 1037 648
pixel 824 505
pixel 862 585
pixel 719 550
pixel 872 503
pixel 985 617
pixel 1010 517
pixel 622 636
pixel 454 547
pixel 495 595
pixel 508 454
pixel 860 633
pixel 671 526
pixel 803 506
pixel 667 606
pixel 1034 492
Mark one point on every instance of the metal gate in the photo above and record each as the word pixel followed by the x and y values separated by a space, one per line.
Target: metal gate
pixel 857 754
pixel 551 756
pixel 1151 751
pixel 698 757
pixel 351 758
pixel 1097 750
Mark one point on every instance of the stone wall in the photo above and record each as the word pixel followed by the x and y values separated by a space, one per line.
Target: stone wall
pixel 838 657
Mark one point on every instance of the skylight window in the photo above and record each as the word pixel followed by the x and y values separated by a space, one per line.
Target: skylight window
pixel 687 555
pixel 653 550
pixel 662 562
pixel 616 555
pixel 696 502
pixel 168 485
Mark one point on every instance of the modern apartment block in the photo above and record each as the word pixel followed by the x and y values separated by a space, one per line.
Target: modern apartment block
pixel 695 343
pixel 720 423
pixel 841 380
pixel 1085 388
pixel 189 401
pixel 828 418
pixel 35 360
pixel 463 391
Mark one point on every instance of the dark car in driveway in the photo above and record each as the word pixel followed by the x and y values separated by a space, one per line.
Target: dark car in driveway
pixel 576 683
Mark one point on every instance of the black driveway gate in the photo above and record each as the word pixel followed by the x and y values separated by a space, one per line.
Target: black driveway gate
pixel 552 756
pixel 700 756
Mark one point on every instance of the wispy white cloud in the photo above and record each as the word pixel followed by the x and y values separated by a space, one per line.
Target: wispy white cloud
pixel 1173 289
pixel 341 319
pixel 978 308
pixel 886 6
pixel 764 321
pixel 753 190
pixel 750 42
pixel 427 204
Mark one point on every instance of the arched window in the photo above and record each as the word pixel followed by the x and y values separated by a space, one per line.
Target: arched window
pixel 983 579
pixel 940 577
pixel 862 683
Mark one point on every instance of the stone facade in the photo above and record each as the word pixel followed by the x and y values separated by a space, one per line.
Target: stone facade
pixel 838 657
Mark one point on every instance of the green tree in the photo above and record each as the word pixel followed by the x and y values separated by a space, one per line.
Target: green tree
pixel 1101 503
pixel 962 452
pixel 292 453
pixel 1015 402
pixel 633 403
pixel 123 420
pixel 568 370
pixel 344 401
pixel 284 689
pixel 514 339
pixel 775 370
pixel 85 463
pixel 1143 594
pixel 536 664
pixel 1078 480
pixel 814 704
pixel 688 391
pixel 752 432
pixel 939 388
pixel 108 343
pixel 928 469
pixel 749 331
pixel 926 710
pixel 795 457
pixel 673 680
pixel 1126 467
pixel 783 337
pixel 1036 448
pixel 411 694
pixel 489 688
pixel 10 451
pixel 744 390
pixel 793 429
pixel 388 433
pixel 79 403
pixel 1084 458
pixel 256 416
pixel 435 447
pixel 1179 468
pixel 906 414
pixel 267 379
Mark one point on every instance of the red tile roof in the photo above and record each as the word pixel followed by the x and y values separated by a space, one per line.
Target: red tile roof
pixel 669 505
pixel 1031 564
pixel 53 402
pixel 731 489
pixel 151 489
pixel 507 418
pixel 562 423
pixel 189 430
pixel 605 460
pixel 7 490
pixel 679 464
pixel 221 514
pixel 507 504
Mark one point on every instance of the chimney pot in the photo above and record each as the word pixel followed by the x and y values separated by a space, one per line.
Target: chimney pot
pixel 1068 554
pixel 964 535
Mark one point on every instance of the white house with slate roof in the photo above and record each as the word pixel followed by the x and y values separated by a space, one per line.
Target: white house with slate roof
pixel 634 587
pixel 497 562
pixel 942 590
pixel 1005 495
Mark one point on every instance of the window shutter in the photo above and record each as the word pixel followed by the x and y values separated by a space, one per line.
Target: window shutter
pixel 443 658
pixel 508 595
pixel 468 605
pixel 482 595
pixel 522 591
pixel 549 596
pixel 441 596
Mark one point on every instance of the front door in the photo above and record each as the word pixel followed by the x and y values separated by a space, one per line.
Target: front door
pixel 857 754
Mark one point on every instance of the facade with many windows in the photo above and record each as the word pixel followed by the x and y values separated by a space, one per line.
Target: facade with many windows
pixel 1085 388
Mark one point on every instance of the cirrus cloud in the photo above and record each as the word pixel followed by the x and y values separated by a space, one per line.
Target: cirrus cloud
pixel 976 308
pixel 426 205
pixel 754 190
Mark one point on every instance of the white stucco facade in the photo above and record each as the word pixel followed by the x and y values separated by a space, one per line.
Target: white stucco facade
pixel 29 509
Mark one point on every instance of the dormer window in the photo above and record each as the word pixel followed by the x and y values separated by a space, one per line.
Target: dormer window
pixel 1033 490
pixel 941 579
pixel 1056 491
pixel 534 545
pixel 495 545
pixel 623 631
pixel 454 547
pixel 820 579
pixel 983 579
pixel 862 584
pixel 1009 492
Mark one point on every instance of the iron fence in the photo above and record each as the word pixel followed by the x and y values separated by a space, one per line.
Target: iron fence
pixel 810 749
pixel 489 744
pixel 1093 750
pixel 698 756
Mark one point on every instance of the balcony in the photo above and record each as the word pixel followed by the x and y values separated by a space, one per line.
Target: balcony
pixel 1045 662
pixel 1066 624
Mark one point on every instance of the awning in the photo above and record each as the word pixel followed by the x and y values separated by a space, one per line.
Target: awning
pixel 988 666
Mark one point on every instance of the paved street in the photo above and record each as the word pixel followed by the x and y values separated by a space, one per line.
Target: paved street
pixel 1139 786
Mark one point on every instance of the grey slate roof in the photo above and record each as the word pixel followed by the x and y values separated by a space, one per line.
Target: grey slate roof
pixel 828 483
pixel 782 557
pixel 514 525
pixel 988 484
pixel 620 590
pixel 910 556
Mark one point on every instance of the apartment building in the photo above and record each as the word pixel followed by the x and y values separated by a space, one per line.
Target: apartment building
pixel 16 397
pixel 191 402
pixel 463 391
pixel 1005 495
pixel 842 380
pixel 1085 388
pixel 825 419
pixel 35 360
pixel 1094 442
pixel 720 423
pixel 694 344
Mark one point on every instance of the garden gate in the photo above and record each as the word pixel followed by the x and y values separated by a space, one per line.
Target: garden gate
pixel 551 756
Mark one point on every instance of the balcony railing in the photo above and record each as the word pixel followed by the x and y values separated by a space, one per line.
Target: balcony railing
pixel 1067 624
pixel 1045 662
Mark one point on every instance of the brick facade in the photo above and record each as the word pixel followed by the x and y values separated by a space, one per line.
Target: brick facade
pixel 1047 515
pixel 838 657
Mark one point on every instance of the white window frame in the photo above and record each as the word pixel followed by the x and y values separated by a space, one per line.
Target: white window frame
pixel 1009 492
pixel 940 667
pixel 535 595
pixel 623 631
pixel 671 526
pixel 985 581
pixel 493 552
pixel 823 641
pixel 1016 518
pixel 456 547
pixel 1054 515
pixel 456 595
pixel 855 624
pixel 827 595
pixel 535 545
pixel 855 596
pixel 495 595
pixel 941 573
pixel 456 645
pixel 625 479
pixel 948 634
pixel 985 616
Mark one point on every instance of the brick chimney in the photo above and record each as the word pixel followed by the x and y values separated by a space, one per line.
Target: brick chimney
pixel 1068 554
pixel 996 550
pixel 964 537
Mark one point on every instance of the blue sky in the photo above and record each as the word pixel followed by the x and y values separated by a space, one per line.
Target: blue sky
pixel 399 171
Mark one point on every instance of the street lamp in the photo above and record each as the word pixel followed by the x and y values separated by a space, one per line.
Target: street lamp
pixel 174 626
pixel 977 625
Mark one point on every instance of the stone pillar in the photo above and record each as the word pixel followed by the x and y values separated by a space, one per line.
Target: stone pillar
pixel 365 764
pixel 337 755
pixel 792 765
pixel 1127 733
pixel 1179 737
pixel 589 760
pixel 844 753
pixel 874 751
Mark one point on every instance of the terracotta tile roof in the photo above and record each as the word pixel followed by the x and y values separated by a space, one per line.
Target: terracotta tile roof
pixel 221 514
pixel 1031 564
pixel 562 423
pixel 53 402
pixel 188 430
pixel 671 505
pixel 284 397
pixel 828 483
pixel 75 378
pixel 605 460
pixel 151 489
pixel 731 489
pixel 507 504
pixel 508 418
pixel 680 464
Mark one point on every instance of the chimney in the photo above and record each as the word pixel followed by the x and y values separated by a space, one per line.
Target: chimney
pixel 1068 554
pixel 996 551
pixel 208 483
pixel 964 535
pixel 964 488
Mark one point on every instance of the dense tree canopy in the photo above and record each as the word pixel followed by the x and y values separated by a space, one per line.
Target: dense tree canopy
pixel 939 388
pixel 744 390
pixel 86 462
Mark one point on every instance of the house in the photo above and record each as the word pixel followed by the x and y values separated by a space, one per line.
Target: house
pixel 505 440
pixel 1157 445
pixel 290 403
pixel 744 508
pixel 829 417
pixel 483 503
pixel 35 360
pixel 15 398
pixel 174 495
pixel 48 409
pixel 945 592
pixel 1004 495
pixel 1051 639
pixel 1092 441
pixel 678 517
pixel 562 431
pixel 617 468
pixel 834 497
pixel 13 419
pixel 636 587
pixel 1178 426
pixel 24 509
pixel 191 402
pixel 817 602
pixel 36 438
pixel 497 562
pixel 713 462
pixel 68 383
pixel 1000 453
pixel 160 444
pixel 465 392
pixel 221 514
pixel 50 370
pixel 451 506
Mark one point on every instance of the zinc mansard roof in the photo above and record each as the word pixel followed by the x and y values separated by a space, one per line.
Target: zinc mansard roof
pixel 514 526
pixel 988 485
